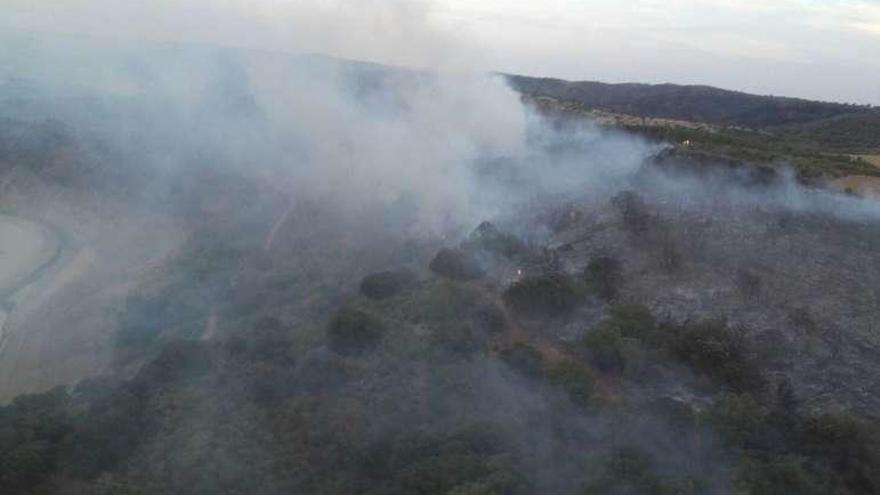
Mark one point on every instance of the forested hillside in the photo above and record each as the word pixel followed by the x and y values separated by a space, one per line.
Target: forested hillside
pixel 289 275
pixel 693 103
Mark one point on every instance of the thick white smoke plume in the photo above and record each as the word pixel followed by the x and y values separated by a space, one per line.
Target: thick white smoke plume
pixel 419 136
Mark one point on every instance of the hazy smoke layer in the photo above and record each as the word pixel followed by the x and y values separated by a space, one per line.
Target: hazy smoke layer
pixel 236 199
pixel 442 141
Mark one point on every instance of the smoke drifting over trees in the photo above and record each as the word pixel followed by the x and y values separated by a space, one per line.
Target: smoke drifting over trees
pixel 297 274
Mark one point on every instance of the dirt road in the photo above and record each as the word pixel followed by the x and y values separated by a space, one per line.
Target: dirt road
pixel 26 250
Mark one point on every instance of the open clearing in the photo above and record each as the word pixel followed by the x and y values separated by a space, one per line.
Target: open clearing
pixel 863 185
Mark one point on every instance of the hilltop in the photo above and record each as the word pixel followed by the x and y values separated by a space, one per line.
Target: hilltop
pixel 822 141
pixel 710 105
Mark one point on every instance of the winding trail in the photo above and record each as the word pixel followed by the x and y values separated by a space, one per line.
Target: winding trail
pixel 270 238
pixel 27 250
pixel 211 328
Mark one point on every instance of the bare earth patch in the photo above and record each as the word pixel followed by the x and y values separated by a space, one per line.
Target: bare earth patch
pixel 863 185
pixel 62 325
pixel 872 159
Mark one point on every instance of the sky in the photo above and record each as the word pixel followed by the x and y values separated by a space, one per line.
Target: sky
pixel 819 49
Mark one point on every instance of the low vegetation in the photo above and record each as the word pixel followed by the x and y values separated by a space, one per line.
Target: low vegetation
pixel 387 284
pixel 353 332
pixel 603 276
pixel 258 411
pixel 553 294
pixel 489 238
pixel 456 264
pixel 688 103
pixel 816 139
pixel 747 148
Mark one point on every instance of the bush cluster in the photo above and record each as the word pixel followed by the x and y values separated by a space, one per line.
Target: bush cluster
pixel 549 295
pixel 354 332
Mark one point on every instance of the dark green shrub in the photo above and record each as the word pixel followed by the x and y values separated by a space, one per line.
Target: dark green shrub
pixel 681 486
pixel 267 384
pixel 618 344
pixel 678 413
pixel 524 359
pixel 631 465
pixel 740 420
pixel 354 332
pixel 456 265
pixel 460 462
pixel 448 302
pixel 849 446
pixel 712 348
pixel 112 430
pixel 603 276
pixel 553 294
pixel 749 283
pixel 777 475
pixel 178 360
pixel 322 372
pixel 575 379
pixel 387 284
pixel 31 430
pixel 488 238
pixel 487 316
pixel 627 470
pixel 633 210
pixel 632 471
pixel 633 321
pixel 668 252
pixel 605 349
pixel 453 341
pixel 270 341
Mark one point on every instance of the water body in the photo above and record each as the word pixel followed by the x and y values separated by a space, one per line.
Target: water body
pixel 26 249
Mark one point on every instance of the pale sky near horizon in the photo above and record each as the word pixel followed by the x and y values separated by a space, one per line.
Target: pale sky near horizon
pixel 816 49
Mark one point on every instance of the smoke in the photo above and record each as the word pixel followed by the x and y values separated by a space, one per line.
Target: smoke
pixel 783 192
pixel 139 126
pixel 396 32
pixel 340 163
pixel 416 135
pixel 351 134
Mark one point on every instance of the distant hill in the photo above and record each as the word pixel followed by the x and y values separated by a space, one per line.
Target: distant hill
pixel 833 125
pixel 816 149
pixel 851 132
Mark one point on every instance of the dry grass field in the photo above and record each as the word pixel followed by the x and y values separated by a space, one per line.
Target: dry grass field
pixel 872 159
pixel 863 185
